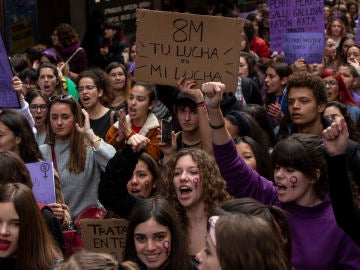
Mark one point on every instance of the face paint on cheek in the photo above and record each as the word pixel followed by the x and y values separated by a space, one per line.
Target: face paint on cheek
pixel 166 246
pixel 195 181
pixel 293 181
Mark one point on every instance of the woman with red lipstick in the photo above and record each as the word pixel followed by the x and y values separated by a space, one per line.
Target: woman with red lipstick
pixel 48 80
pixel 38 106
pixel 139 120
pixel 25 242
pixel 94 93
pixel 155 239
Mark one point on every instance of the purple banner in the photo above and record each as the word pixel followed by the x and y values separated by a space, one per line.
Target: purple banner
pixel 42 176
pixel 294 16
pixel 309 46
pixel 8 97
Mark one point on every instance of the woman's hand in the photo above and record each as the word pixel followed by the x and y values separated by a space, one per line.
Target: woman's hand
pixel 138 142
pixel 124 128
pixel 336 137
pixel 58 211
pixel 274 110
pixel 189 87
pixel 213 94
pixel 17 85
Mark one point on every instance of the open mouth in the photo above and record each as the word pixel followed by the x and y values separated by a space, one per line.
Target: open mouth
pixel 185 190
pixel 280 186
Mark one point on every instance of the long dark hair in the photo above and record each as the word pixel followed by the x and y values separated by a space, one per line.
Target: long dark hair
pixel 28 148
pixel 162 212
pixel 36 247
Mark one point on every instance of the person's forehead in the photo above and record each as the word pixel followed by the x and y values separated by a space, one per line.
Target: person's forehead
pixel 297 92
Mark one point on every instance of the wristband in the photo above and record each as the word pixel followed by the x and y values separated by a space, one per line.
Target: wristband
pixel 202 105
pixel 217 126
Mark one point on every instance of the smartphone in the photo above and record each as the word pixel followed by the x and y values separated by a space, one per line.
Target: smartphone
pixel 166 129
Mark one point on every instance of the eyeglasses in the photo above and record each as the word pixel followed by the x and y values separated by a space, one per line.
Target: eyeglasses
pixel 59 98
pixel 35 107
pixel 330 83
pixel 87 87
pixel 28 84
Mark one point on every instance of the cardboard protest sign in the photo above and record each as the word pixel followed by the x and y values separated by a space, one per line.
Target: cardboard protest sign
pixel 105 235
pixel 298 16
pixel 42 176
pixel 8 97
pixel 303 45
pixel 172 45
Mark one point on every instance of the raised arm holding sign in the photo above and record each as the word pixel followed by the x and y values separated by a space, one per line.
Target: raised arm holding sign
pixel 8 97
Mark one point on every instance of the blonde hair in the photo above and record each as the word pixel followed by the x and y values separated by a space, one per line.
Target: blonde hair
pixel 89 260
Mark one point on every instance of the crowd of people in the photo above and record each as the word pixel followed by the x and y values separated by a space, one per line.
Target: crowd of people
pixel 265 176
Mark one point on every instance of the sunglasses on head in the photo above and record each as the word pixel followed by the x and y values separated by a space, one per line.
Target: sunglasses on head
pixel 59 98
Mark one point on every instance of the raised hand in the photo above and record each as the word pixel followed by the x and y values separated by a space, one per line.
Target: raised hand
pixel 336 137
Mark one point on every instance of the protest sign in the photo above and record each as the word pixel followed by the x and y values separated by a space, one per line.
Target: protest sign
pixel 172 45
pixel 8 97
pixel 298 16
pixel 42 176
pixel 308 46
pixel 105 235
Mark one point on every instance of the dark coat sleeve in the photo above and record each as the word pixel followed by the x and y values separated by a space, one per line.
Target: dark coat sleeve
pixel 54 228
pixel 113 193
pixel 347 213
pixel 353 159
pixel 251 91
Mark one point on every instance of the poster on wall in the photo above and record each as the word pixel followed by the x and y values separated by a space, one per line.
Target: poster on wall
pixel 120 11
pixel 20 32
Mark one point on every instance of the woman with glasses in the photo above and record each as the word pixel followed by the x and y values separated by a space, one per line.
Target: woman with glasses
pixel 337 91
pixel 78 154
pixel 28 77
pixel 38 106
pixel 94 92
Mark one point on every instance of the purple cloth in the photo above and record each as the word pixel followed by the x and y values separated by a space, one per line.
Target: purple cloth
pixel 317 242
pixel 356 96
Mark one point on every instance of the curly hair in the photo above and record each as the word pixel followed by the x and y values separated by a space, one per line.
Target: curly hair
pixel 212 184
pixel 67 35
pixel 308 80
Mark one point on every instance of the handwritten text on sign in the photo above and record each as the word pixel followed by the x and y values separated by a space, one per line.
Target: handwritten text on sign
pixel 309 46
pixel 294 16
pixel 173 45
pixel 105 235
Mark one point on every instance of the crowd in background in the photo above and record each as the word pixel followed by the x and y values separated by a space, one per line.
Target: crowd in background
pixel 264 176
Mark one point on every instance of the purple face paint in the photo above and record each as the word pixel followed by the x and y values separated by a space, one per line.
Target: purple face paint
pixel 166 246
pixel 195 181
pixel 293 181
